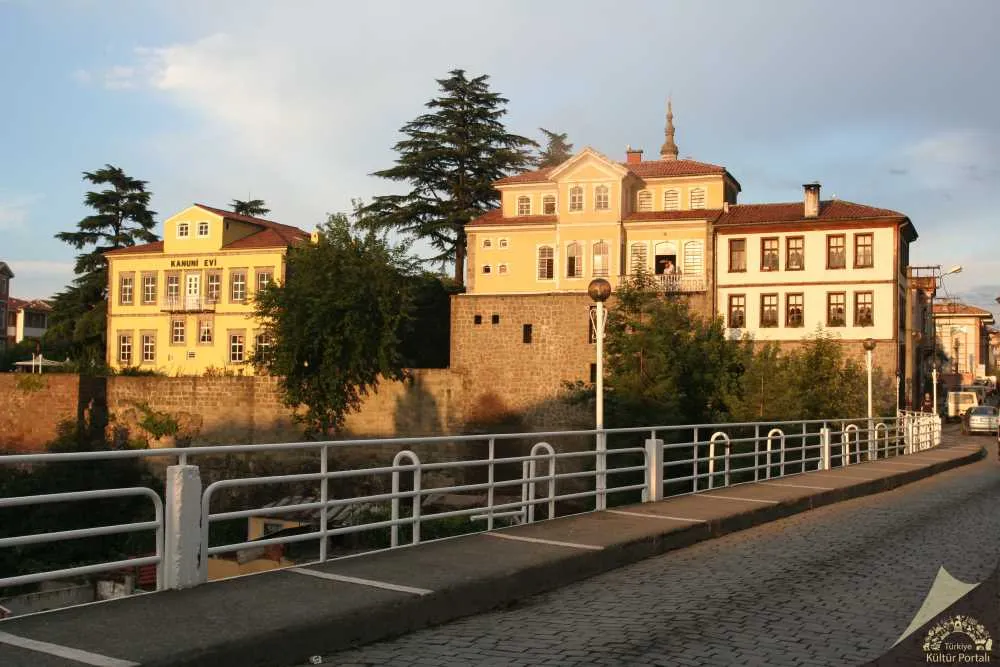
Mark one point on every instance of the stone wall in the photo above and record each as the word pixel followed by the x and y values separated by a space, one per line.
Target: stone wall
pixel 32 406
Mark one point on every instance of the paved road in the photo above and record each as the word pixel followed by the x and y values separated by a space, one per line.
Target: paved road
pixel 835 586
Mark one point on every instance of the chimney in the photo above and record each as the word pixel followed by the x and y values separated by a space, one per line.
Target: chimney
pixel 633 155
pixel 725 207
pixel 811 199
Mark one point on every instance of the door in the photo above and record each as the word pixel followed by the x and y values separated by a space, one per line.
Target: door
pixel 193 291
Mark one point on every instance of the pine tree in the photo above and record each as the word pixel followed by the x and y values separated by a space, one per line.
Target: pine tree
pixel 450 157
pixel 121 218
pixel 557 150
pixel 252 207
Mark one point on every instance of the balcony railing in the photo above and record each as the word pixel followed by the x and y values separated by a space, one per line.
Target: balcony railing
pixel 672 282
pixel 188 303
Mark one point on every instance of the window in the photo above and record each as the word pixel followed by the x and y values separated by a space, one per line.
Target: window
pixel 35 320
pixel 549 204
pixel 835 305
pixel 263 347
pixel 264 278
pixel 202 229
pixel 576 198
pixel 671 200
pixel 183 230
pixel 213 288
pixel 835 255
pixel 794 310
pixel 173 289
pixel 769 254
pixel 125 292
pixel 863 255
pixel 694 263
pixel 795 253
pixel 487 243
pixel 574 260
pixel 737 255
pixel 502 269
pixel 477 319
pixel 149 288
pixel 601 198
pixel 205 331
pixel 768 310
pixel 237 348
pixel 600 259
pixel 148 347
pixel 697 197
pixel 637 257
pixel 238 285
pixel 495 319
pixel 545 263
pixel 503 244
pixel 863 312
pixel 644 201
pixel 593 373
pixel 125 349
pixel 737 311
pixel 526 333
pixel 177 331
pixel 524 205
pixel 486 268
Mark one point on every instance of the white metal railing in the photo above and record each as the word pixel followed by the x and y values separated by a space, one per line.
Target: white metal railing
pixel 563 472
pixel 671 282
pixel 190 302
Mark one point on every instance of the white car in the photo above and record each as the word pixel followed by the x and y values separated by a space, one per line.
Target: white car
pixel 981 419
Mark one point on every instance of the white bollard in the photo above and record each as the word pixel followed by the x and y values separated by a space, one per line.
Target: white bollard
pixel 654 471
pixel 182 530
pixel 824 443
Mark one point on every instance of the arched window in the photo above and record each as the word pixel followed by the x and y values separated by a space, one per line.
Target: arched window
pixel 671 200
pixel 665 258
pixel 546 258
pixel 638 257
pixel 549 205
pixel 600 261
pixel 644 201
pixel 576 198
pixel 697 197
pixel 523 205
pixel 694 258
pixel 601 199
pixel 574 260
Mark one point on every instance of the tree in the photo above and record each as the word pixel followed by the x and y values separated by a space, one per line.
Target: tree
pixel 121 218
pixel 252 207
pixel 450 157
pixel 335 322
pixel 557 150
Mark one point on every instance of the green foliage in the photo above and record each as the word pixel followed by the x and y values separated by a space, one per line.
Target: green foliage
pixel 336 322
pixel 557 150
pixel 121 218
pixel 450 158
pixel 156 423
pixel 30 383
pixel 11 354
pixel 252 207
pixel 426 334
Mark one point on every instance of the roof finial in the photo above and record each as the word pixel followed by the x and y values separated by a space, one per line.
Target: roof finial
pixel 668 151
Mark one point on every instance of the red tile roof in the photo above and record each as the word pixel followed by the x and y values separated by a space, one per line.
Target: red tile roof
pixel 265 238
pixel 286 232
pixel 14 304
pixel 495 217
pixel 666 216
pixel 961 309
pixel 646 169
pixel 155 246
pixel 836 209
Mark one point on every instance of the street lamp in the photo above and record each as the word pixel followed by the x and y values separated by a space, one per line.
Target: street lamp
pixel 869 345
pixel 599 290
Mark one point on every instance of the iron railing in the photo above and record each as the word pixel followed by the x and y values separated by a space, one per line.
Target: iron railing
pixel 561 472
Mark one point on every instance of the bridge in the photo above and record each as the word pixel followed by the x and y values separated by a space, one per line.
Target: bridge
pixel 653 490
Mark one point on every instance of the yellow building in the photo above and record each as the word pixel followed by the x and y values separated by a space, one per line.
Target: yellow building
pixel 184 305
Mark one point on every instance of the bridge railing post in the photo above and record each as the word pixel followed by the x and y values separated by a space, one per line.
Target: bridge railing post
pixel 824 447
pixel 654 471
pixel 182 566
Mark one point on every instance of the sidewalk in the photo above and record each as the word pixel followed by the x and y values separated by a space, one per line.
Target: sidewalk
pixel 282 618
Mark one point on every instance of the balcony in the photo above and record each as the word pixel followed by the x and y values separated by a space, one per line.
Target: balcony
pixel 671 283
pixel 189 304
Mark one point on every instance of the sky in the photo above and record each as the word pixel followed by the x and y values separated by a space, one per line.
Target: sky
pixel 890 103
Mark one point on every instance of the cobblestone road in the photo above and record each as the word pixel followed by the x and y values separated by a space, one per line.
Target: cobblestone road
pixel 835 586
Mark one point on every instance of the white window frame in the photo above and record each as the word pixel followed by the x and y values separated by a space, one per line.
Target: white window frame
pixel 677 199
pixel 261 274
pixel 503 244
pixel 640 196
pixel 579 273
pixel 173 289
pixel 487 270
pixel 213 298
pixel 203 229
pixel 555 204
pixel 486 244
pixel 126 288
pixel 600 196
pixel 631 262
pixel 501 269
pixel 178 336
pixel 538 259
pixel 233 283
pixel 149 348
pixel 700 246
pixel 148 288
pixel 183 230
pixel 125 349
pixel 606 255
pixel 583 202
pixel 240 345
pixel 704 198
pixel 525 201
pixel 206 325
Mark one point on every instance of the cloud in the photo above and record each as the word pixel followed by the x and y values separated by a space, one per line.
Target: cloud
pixel 40 266
pixel 955 159
pixel 15 209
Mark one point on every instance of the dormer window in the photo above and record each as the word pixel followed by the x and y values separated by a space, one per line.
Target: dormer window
pixel 576 198
pixel 487 243
pixel 203 229
pixel 549 205
pixel 524 205
pixel 183 230
pixel 601 198
pixel 671 200
pixel 697 197
pixel 645 201
pixel 503 243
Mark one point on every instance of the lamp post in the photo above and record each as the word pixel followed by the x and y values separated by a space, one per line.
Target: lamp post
pixel 869 345
pixel 897 393
pixel 599 290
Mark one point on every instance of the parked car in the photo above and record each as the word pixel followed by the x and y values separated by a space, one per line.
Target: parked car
pixel 959 403
pixel 981 419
